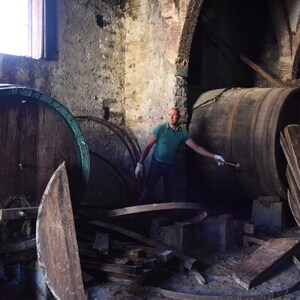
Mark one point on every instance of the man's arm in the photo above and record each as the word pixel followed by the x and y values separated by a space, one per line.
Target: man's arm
pixel 200 150
pixel 151 141
pixel 139 166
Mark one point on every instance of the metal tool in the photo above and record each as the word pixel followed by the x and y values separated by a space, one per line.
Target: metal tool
pixel 236 165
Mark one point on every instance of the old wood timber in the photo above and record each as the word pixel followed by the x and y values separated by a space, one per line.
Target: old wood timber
pixel 173 212
pixel 149 208
pixel 290 143
pixel 265 260
pixel 56 239
pixel 18 213
pixel 188 262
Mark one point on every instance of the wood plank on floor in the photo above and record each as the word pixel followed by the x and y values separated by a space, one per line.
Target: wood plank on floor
pixel 253 270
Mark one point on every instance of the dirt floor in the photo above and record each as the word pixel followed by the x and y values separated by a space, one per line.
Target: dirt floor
pixel 217 269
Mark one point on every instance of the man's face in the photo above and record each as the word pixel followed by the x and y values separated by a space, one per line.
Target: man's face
pixel 173 116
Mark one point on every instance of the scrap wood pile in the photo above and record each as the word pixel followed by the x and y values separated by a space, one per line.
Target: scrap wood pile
pixel 102 248
pixel 107 258
pixel 105 249
pixel 121 254
pixel 290 143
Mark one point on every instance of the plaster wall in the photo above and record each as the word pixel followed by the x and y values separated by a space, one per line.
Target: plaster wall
pixel 153 34
pixel 89 71
pixel 149 78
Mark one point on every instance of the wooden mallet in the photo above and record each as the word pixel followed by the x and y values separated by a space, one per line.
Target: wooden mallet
pixel 236 165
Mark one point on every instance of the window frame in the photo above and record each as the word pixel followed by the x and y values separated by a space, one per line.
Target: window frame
pixel 41 31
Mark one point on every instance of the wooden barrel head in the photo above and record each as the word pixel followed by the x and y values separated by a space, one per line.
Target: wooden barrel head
pixel 37 134
pixel 57 247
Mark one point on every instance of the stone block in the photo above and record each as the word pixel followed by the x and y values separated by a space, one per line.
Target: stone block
pixel 269 198
pixel 268 214
pixel 218 233
pixel 226 233
pixel 181 71
pixel 177 236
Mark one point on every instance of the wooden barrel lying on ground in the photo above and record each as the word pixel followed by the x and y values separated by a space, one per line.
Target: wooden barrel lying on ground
pixel 37 133
pixel 243 125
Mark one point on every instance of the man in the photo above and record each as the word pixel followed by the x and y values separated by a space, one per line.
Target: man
pixel 167 137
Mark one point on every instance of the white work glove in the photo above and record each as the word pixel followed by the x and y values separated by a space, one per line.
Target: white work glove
pixel 139 170
pixel 220 161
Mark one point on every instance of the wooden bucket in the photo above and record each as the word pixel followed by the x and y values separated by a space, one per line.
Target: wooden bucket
pixel 37 133
pixel 243 125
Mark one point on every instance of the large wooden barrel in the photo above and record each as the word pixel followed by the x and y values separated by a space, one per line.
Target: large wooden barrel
pixel 243 125
pixel 37 133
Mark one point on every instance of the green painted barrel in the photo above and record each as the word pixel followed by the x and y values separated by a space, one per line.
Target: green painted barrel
pixel 37 133
pixel 243 125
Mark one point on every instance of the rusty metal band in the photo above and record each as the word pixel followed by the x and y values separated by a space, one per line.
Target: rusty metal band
pixel 267 137
pixel 231 119
pixel 253 128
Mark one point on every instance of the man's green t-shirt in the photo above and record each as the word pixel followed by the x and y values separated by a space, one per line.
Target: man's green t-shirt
pixel 168 141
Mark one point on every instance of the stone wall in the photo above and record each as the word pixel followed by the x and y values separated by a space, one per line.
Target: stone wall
pixel 87 77
pixel 89 72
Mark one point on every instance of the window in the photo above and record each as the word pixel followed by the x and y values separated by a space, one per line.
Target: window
pixel 25 29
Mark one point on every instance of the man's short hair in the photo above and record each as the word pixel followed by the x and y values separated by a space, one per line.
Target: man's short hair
pixel 175 108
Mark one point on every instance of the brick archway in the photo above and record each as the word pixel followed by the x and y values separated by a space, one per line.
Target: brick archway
pixel 181 18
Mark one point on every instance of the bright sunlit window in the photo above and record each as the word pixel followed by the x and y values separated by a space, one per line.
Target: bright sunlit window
pixel 21 27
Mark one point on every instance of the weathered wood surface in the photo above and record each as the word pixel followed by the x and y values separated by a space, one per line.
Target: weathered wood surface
pixel 264 260
pixel 33 138
pixel 293 196
pixel 290 143
pixel 260 71
pixel 101 242
pixel 112 267
pixel 293 185
pixel 131 279
pixel 56 239
pixel 289 158
pixel 149 208
pixel 134 251
pixel 294 207
pixel 18 213
pixel 251 239
pixel 292 136
pixel 126 279
pixel 296 261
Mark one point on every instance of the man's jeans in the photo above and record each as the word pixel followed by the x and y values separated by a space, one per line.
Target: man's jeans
pixel 157 170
